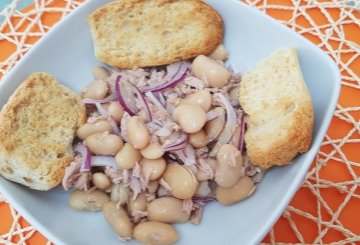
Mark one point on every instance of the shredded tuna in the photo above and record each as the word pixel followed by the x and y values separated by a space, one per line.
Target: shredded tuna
pixel 205 168
pixel 135 186
pixel 138 215
pixel 187 206
pixel 196 214
pixel 74 178
pixel 124 239
pixel 164 184
pixel 123 126
pixel 117 175
pixel 167 129
pixel 202 153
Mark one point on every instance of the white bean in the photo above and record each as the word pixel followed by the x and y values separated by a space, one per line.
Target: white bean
pixel 139 204
pixel 201 98
pixel 229 167
pixel 241 190
pixel 104 144
pixel 118 219
pixel 115 111
pixel 190 117
pixel 101 181
pixel 155 233
pixel 138 134
pixel 127 157
pixel 96 90
pixel 198 139
pixel 167 210
pixel 100 73
pixel 181 180
pixel 214 127
pixel 207 69
pixel 152 151
pixel 84 201
pixel 219 53
pixel 88 129
pixel 153 168
pixel 203 189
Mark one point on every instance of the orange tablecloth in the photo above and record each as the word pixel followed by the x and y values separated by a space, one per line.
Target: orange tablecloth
pixel 326 210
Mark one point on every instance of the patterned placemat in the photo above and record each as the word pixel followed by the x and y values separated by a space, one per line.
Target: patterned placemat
pixel 326 209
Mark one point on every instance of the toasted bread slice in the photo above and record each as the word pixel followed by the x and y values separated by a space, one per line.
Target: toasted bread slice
pixel 279 108
pixel 37 127
pixel 143 33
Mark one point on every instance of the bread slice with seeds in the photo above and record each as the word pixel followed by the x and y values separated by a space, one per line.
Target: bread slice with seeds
pixel 143 33
pixel 279 109
pixel 37 128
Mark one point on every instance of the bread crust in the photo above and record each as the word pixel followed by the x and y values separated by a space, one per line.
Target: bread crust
pixel 279 110
pixel 37 127
pixel 143 33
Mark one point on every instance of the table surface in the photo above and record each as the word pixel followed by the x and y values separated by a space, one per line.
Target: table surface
pixel 326 209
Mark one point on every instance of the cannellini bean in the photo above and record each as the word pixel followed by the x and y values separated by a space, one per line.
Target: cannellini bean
pixel 139 204
pixel 100 72
pixel 96 90
pixel 120 193
pixel 198 139
pixel 104 144
pixel 201 98
pixel 167 210
pixel 88 129
pixel 116 111
pixel 202 175
pixel 155 233
pixel 241 190
pixel 84 201
pixel 118 219
pixel 229 167
pixel 219 53
pixel 127 157
pixel 101 181
pixel 153 186
pixel 181 180
pixel 138 134
pixel 214 127
pixel 152 151
pixel 190 117
pixel 153 168
pixel 207 69
pixel 203 189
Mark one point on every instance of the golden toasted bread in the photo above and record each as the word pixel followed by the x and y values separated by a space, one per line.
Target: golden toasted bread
pixel 143 33
pixel 279 108
pixel 37 127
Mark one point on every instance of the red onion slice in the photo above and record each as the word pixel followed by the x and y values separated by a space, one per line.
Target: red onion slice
pixel 85 153
pixel 155 101
pixel 176 73
pixel 178 143
pixel 103 161
pixel 122 94
pixel 228 130
pixel 242 132
pixel 144 104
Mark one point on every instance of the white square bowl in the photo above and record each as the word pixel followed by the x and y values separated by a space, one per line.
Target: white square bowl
pixel 67 53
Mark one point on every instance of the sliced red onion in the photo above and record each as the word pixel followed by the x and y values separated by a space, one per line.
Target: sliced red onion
pixel 86 154
pixel 103 161
pixel 162 99
pixel 176 73
pixel 121 94
pixel 108 99
pixel 177 144
pixel 228 130
pixel 155 101
pixel 242 132
pixel 144 104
